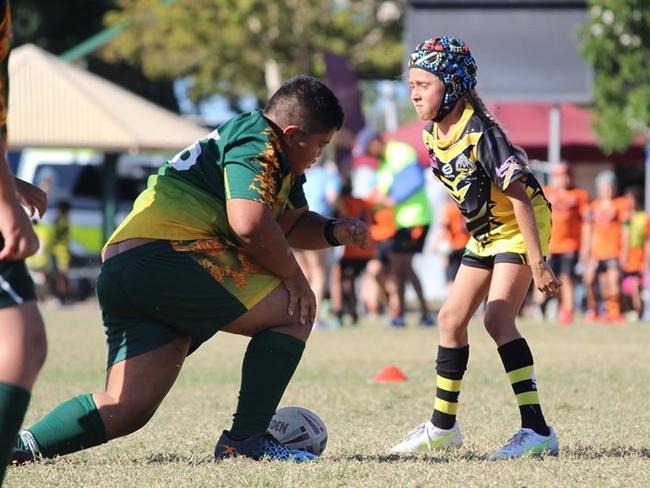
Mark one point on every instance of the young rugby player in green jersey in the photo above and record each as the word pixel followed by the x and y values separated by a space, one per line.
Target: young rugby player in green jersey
pixel 207 247
pixel 509 221
pixel 22 334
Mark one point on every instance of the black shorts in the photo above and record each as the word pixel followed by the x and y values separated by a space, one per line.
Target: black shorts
pixel 487 262
pixel 352 268
pixel 453 264
pixel 564 263
pixel 605 264
pixel 382 250
pixel 409 240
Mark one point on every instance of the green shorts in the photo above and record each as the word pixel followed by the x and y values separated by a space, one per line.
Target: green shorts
pixel 16 285
pixel 152 294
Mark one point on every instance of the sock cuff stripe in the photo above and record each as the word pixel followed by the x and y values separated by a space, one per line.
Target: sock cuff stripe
pixel 445 407
pixel 449 396
pixel 528 398
pixel 448 384
pixel 521 374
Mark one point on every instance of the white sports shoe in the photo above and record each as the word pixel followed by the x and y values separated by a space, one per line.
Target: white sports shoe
pixel 527 442
pixel 427 437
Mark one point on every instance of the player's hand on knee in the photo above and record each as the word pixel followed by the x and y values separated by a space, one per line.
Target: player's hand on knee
pixel 302 301
pixel 351 232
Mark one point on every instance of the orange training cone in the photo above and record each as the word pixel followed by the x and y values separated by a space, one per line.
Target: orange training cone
pixel 389 374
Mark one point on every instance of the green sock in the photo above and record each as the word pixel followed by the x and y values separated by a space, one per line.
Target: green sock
pixel 13 404
pixel 269 363
pixel 72 426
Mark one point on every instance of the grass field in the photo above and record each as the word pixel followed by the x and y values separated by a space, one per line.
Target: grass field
pixel 594 384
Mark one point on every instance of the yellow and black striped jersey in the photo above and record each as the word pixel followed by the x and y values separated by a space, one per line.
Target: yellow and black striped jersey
pixel 476 163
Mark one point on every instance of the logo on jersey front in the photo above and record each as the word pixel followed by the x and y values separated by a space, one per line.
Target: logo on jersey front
pixel 464 164
pixel 447 169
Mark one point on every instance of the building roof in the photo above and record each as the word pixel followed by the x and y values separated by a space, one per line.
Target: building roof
pixel 527 125
pixel 55 104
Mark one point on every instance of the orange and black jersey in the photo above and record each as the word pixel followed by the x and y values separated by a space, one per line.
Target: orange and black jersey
pixel 476 163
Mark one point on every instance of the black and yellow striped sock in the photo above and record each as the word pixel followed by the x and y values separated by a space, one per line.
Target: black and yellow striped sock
pixel 518 362
pixel 450 367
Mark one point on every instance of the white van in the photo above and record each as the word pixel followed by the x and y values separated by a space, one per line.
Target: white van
pixel 75 176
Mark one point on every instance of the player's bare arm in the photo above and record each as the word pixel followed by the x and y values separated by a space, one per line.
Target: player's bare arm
pixel 264 239
pixel 544 279
pixel 15 227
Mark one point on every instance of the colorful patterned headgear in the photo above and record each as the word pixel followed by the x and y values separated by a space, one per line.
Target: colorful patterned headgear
pixel 450 60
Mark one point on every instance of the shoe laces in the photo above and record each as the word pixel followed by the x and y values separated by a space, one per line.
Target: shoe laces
pixel 273 449
pixel 416 432
pixel 515 442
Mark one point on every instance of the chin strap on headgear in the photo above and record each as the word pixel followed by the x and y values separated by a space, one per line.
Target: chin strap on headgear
pixel 450 60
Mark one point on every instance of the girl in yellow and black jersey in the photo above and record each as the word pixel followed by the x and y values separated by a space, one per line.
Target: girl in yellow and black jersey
pixel 509 221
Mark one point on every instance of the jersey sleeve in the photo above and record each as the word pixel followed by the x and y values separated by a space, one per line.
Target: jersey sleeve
pixel 252 171
pixel 499 158
pixel 297 197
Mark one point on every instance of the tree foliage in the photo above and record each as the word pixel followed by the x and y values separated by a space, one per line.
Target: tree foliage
pixel 224 45
pixel 617 44
pixel 60 26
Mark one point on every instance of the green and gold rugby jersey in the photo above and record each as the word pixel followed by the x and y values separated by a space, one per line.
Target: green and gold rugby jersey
pixel 185 202
pixel 476 163
pixel 186 199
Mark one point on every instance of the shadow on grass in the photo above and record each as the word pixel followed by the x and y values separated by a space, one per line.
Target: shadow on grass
pixel 577 452
pixel 173 458
pixel 586 452
pixel 408 458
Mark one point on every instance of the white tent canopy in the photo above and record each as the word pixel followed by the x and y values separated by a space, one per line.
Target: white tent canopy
pixel 56 104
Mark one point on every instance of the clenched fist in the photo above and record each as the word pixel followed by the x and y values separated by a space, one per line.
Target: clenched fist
pixel 351 232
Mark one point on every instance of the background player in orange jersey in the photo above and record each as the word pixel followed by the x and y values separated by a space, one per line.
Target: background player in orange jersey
pixel 452 239
pixel 570 206
pixel 353 262
pixel 638 249
pixel 605 241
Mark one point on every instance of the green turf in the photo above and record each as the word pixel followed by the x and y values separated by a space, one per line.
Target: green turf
pixel 593 381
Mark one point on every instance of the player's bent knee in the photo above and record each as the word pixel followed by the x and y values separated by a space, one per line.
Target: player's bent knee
pixel 122 419
pixel 296 329
pixel 498 326
pixel 449 321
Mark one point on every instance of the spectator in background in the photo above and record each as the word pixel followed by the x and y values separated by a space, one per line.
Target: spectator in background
pixel 401 185
pixel 452 238
pixel 61 253
pixel 638 249
pixel 368 151
pixel 321 190
pixel 354 261
pixel 570 206
pixel 606 236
